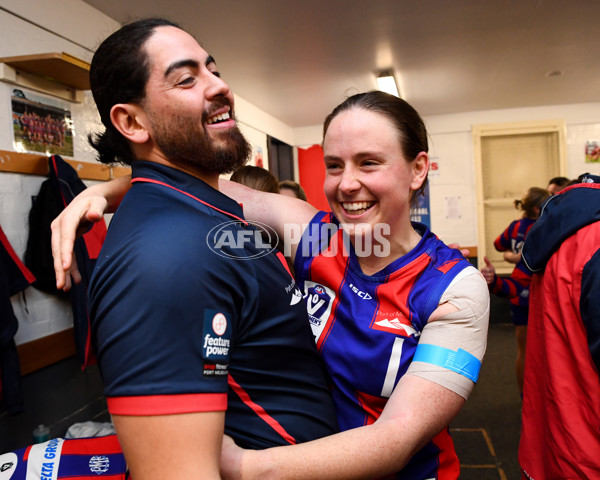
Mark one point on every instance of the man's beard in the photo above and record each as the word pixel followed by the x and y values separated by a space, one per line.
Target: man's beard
pixel 185 142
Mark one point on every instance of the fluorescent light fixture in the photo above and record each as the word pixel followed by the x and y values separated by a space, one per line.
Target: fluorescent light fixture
pixel 387 83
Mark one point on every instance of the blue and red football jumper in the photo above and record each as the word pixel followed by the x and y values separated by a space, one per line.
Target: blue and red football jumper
pixel 60 459
pixel 516 287
pixel 513 236
pixel 367 327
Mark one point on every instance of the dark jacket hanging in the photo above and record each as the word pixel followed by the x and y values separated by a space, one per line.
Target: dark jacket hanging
pixel 62 185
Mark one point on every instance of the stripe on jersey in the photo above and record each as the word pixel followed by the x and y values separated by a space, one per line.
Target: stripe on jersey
pixel 260 411
pixel 167 404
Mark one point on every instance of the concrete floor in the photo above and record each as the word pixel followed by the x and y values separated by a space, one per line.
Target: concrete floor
pixel 486 432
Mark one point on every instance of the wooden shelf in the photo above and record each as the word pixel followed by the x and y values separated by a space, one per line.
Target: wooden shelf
pixel 58 67
pixel 37 164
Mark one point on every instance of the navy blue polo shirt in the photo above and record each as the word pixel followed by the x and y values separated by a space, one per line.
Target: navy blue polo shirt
pixel 191 311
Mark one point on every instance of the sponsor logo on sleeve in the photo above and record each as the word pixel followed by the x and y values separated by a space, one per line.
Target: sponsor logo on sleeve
pixel 216 342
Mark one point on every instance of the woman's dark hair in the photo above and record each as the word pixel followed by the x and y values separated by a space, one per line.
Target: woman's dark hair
pixel 560 181
pixel 118 74
pixel 256 178
pixel 534 198
pixel 412 133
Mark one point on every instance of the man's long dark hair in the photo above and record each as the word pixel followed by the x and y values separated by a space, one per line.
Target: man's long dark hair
pixel 118 74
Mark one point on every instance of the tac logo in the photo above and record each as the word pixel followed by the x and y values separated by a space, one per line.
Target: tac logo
pixel 99 464
pixel 238 241
pixel 8 465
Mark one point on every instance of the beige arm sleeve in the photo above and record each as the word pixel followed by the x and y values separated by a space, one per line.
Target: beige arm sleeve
pixel 465 328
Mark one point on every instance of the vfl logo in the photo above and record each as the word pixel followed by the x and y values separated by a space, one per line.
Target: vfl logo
pixel 237 241
pixel 99 464
pixel 319 301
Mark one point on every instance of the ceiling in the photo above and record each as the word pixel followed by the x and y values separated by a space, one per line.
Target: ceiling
pixel 297 60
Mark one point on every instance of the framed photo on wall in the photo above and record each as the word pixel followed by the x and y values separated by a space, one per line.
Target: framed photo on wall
pixel 592 151
pixel 41 124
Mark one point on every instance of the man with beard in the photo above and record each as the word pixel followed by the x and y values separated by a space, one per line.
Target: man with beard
pixel 198 327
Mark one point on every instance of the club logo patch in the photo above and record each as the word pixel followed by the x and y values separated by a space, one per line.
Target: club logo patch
pixel 219 324
pixel 99 464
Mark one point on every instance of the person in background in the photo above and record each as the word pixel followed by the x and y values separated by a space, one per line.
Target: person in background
pixel 257 178
pixel 560 435
pixel 370 277
pixel 263 180
pixel 556 184
pixel 516 287
pixel 292 189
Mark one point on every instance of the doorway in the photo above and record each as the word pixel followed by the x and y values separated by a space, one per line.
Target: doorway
pixel 510 158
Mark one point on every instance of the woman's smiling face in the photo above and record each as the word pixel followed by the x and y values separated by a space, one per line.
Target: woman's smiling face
pixel 368 180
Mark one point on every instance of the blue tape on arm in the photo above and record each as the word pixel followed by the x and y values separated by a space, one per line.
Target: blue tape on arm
pixel 461 361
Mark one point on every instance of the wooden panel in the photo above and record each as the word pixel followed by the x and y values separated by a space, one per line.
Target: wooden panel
pixel 37 164
pixel 116 172
pixel 60 67
pixel 46 351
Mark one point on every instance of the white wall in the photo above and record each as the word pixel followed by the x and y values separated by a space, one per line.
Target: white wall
pixel 452 144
